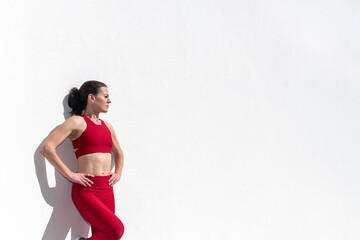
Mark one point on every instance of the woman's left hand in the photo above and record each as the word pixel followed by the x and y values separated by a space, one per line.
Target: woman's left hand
pixel 115 177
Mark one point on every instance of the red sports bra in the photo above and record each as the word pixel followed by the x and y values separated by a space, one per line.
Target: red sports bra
pixel 96 138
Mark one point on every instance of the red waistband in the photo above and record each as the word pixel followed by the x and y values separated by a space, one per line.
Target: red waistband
pixel 100 181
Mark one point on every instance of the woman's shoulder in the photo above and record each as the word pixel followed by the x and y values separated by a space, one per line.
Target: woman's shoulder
pixel 75 118
pixel 108 125
pixel 74 121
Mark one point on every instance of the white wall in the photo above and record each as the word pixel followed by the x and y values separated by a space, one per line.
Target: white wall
pixel 238 119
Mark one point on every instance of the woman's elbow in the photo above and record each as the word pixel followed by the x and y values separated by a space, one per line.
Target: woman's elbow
pixel 42 149
pixel 45 148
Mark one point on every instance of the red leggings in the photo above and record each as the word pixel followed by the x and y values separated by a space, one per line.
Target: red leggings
pixel 96 205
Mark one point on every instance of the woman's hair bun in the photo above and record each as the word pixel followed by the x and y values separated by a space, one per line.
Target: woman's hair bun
pixel 74 101
pixel 75 91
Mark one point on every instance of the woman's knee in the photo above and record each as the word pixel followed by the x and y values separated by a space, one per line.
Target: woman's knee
pixel 117 230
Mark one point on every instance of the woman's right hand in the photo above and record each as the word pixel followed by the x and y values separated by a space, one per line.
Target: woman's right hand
pixel 81 178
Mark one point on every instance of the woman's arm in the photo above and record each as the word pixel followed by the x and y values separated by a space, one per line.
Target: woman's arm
pixel 118 157
pixel 48 150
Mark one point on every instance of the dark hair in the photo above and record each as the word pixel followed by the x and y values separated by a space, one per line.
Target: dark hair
pixel 77 99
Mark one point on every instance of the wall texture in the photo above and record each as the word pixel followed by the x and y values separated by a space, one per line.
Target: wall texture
pixel 238 119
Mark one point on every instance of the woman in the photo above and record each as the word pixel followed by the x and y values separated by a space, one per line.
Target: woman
pixel 94 141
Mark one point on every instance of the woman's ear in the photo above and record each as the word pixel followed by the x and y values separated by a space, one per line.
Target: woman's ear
pixel 91 98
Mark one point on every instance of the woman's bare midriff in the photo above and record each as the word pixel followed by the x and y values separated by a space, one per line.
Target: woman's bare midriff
pixel 98 164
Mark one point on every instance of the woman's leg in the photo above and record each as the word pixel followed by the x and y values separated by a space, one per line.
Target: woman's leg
pixel 100 215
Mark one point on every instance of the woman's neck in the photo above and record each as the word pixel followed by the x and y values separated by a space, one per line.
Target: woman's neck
pixel 91 114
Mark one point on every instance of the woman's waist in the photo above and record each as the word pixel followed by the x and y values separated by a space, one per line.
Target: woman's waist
pixel 95 165
pixel 99 181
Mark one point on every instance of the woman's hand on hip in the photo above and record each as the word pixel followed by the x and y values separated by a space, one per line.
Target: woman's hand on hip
pixel 115 177
pixel 81 178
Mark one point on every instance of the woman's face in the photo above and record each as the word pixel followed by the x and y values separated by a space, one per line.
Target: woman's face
pixel 102 100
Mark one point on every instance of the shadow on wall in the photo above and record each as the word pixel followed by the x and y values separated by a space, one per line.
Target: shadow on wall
pixel 65 216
